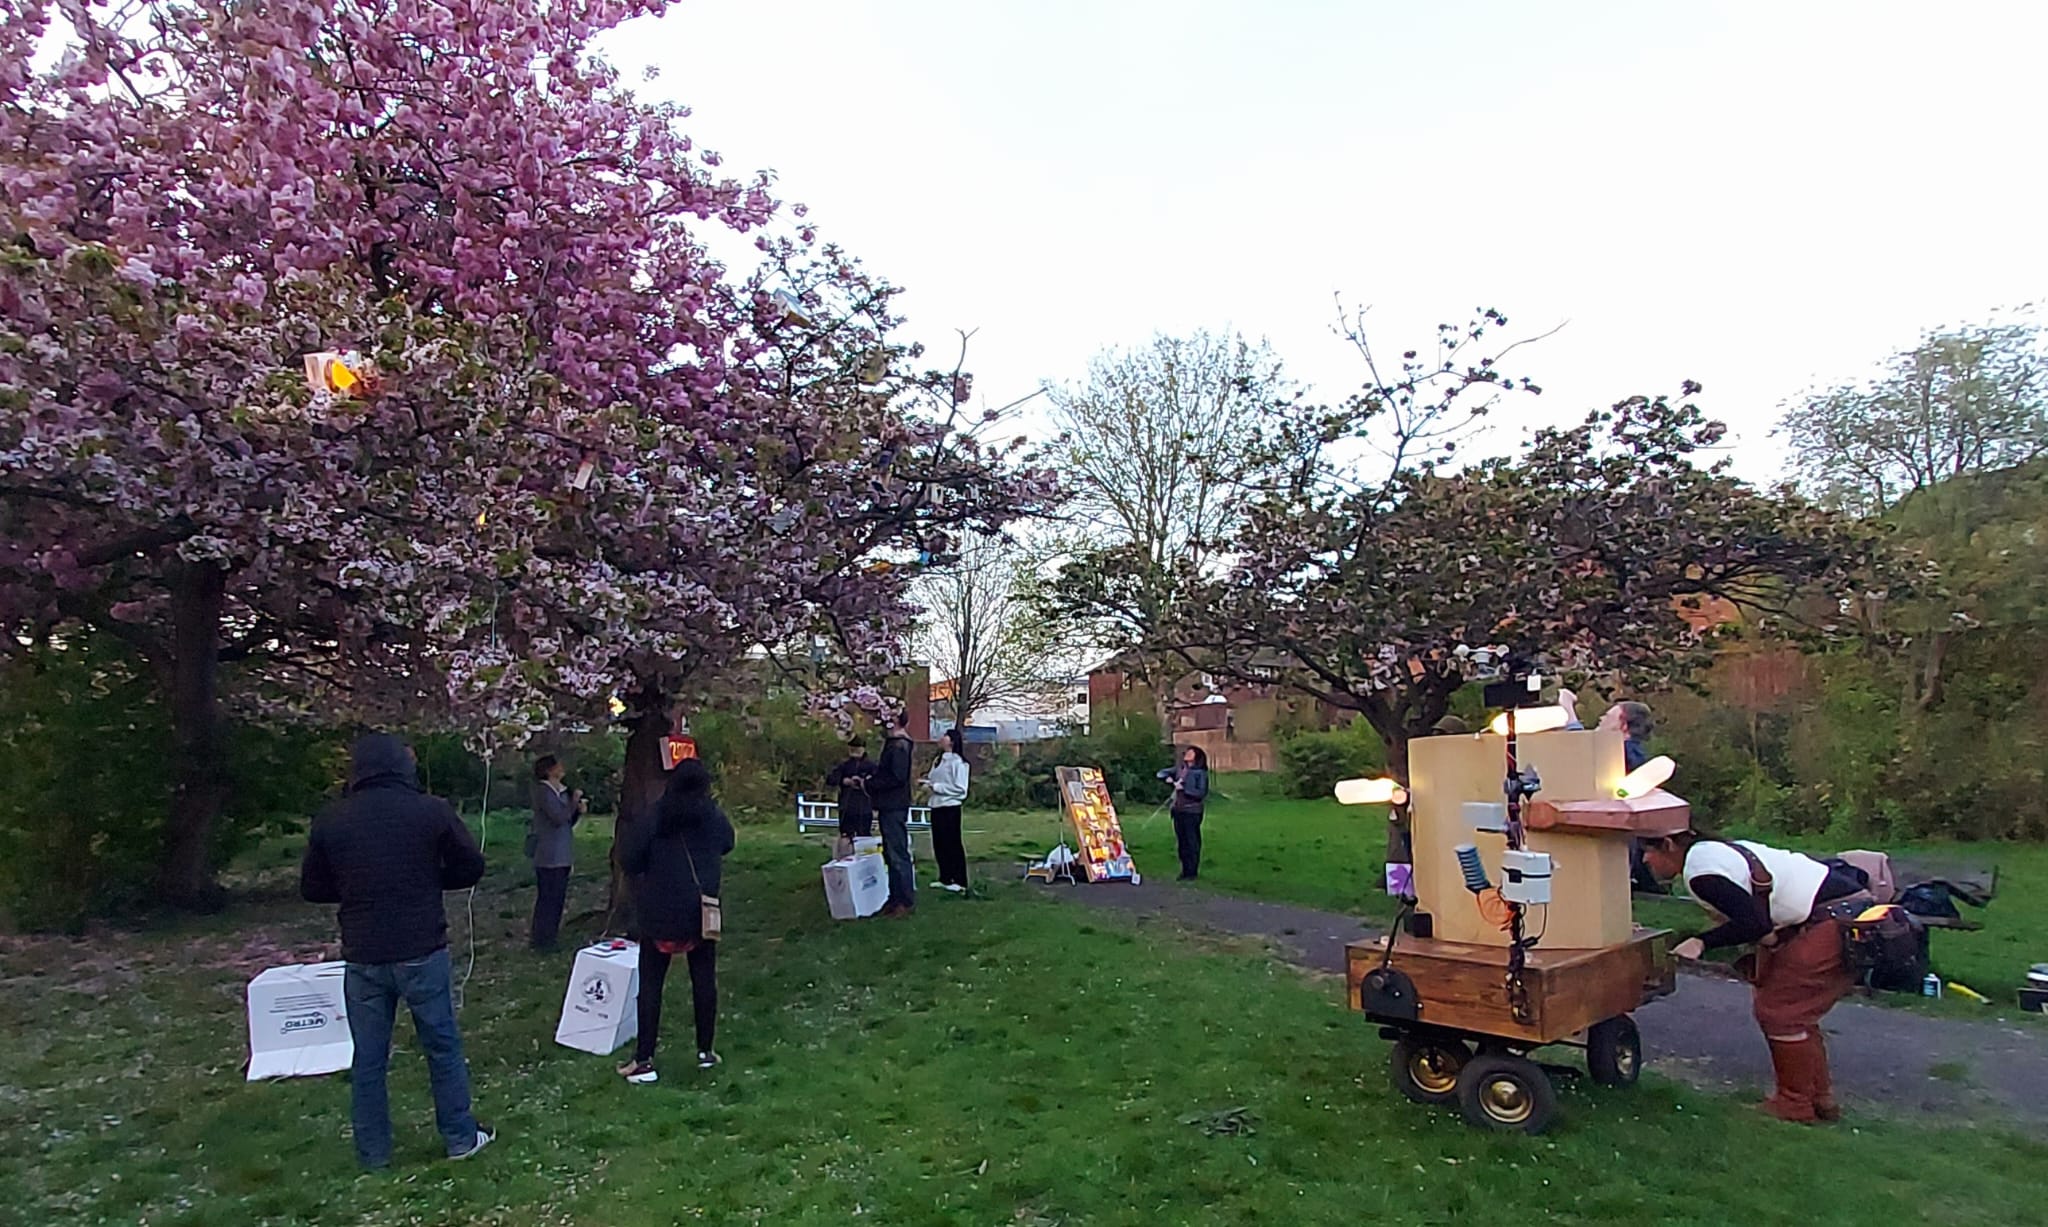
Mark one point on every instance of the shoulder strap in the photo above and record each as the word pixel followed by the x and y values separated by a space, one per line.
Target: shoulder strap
pixel 1760 880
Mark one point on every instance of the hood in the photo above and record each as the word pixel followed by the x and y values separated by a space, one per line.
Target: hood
pixel 380 758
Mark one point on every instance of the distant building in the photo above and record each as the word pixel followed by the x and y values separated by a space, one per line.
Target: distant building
pixel 1232 720
pixel 1055 714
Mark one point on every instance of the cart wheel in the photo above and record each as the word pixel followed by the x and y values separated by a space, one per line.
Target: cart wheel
pixel 1425 1068
pixel 1505 1092
pixel 1614 1051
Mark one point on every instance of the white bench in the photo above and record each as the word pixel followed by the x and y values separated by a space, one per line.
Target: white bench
pixel 824 815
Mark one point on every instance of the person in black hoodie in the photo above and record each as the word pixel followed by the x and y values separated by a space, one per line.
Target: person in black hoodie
pixel 889 789
pixel 856 811
pixel 386 852
pixel 671 863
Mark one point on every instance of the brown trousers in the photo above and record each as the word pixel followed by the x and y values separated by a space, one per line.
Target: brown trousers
pixel 1798 979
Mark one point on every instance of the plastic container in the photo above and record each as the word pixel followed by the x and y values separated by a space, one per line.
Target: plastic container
pixel 1931 986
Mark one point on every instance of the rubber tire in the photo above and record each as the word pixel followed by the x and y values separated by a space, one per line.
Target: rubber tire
pixel 1490 1078
pixel 1410 1049
pixel 1614 1052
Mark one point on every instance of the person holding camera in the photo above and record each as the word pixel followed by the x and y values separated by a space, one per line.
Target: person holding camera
pixel 856 811
pixel 1190 780
pixel 1779 902
pixel 550 845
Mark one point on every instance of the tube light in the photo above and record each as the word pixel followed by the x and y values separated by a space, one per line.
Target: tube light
pixel 1381 791
pixel 1647 778
pixel 1532 720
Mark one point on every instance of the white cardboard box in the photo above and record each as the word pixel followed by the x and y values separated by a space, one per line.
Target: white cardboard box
pixel 298 1022
pixel 602 1007
pixel 856 886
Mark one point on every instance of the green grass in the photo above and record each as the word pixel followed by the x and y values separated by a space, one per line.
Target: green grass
pixel 1008 1059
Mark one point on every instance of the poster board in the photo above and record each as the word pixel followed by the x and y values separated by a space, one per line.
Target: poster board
pixel 601 1009
pixel 1085 799
pixel 298 1022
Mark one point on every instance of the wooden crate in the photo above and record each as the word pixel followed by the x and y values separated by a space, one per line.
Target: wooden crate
pixel 1463 987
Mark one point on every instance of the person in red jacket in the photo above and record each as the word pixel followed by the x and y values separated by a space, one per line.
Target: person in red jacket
pixel 386 852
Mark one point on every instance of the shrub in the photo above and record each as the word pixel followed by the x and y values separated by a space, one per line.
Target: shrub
pixel 84 795
pixel 1311 762
pixel 764 751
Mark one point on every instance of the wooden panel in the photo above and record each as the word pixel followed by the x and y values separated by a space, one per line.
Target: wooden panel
pixel 1590 886
pixel 1654 814
pixel 1464 986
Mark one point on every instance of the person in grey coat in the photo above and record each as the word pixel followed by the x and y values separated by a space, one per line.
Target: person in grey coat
pixel 550 842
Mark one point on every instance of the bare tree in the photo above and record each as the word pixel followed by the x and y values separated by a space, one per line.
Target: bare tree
pixel 982 630
pixel 1961 401
pixel 1160 445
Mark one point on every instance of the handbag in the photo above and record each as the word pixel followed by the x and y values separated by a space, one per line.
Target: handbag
pixel 710 913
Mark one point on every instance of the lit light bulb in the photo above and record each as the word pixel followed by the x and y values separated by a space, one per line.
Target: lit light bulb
pixel 1647 778
pixel 1532 720
pixel 1381 791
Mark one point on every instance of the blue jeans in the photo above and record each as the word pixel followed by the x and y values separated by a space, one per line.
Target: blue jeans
pixel 895 825
pixel 373 991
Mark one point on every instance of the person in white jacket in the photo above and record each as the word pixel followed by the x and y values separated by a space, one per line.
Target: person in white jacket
pixel 948 782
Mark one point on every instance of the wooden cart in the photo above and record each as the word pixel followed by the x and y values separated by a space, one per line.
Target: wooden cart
pixel 1456 1039
pixel 1463 1026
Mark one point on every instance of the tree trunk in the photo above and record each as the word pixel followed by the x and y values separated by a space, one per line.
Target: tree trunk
pixel 1400 848
pixel 198 600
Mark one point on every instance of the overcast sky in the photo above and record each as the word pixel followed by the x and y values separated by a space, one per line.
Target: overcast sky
pixel 1758 195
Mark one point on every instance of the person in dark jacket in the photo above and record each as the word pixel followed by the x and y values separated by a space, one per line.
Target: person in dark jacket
pixel 671 863
pixel 1632 720
pixel 386 852
pixel 550 841
pixel 856 811
pixel 889 789
pixel 1190 780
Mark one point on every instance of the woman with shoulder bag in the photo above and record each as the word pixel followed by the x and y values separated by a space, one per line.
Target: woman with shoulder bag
pixel 1786 904
pixel 674 865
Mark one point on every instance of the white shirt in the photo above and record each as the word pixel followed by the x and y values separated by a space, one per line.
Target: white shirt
pixel 948 780
pixel 1795 877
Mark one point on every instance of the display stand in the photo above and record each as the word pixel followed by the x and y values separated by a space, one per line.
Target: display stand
pixel 1100 839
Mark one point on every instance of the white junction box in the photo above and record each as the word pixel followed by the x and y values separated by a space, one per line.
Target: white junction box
pixel 601 1010
pixel 1488 816
pixel 298 1022
pixel 1525 876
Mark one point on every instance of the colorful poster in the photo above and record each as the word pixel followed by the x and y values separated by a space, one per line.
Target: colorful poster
pixel 1086 799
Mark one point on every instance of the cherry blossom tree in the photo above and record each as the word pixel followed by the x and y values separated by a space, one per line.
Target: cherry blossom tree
pixel 591 457
pixel 1369 585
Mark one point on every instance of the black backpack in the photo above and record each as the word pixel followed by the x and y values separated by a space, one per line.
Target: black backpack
pixel 1888 951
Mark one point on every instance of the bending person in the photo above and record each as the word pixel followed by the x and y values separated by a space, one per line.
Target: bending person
pixel 672 862
pixel 1775 900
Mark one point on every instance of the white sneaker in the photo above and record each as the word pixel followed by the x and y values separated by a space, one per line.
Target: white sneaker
pixel 708 1060
pixel 483 1139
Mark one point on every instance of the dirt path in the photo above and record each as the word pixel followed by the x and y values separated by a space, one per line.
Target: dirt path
pixel 1907 1065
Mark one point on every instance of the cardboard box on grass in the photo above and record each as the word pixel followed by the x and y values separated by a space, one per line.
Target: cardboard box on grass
pixel 298 1022
pixel 855 886
pixel 601 1010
